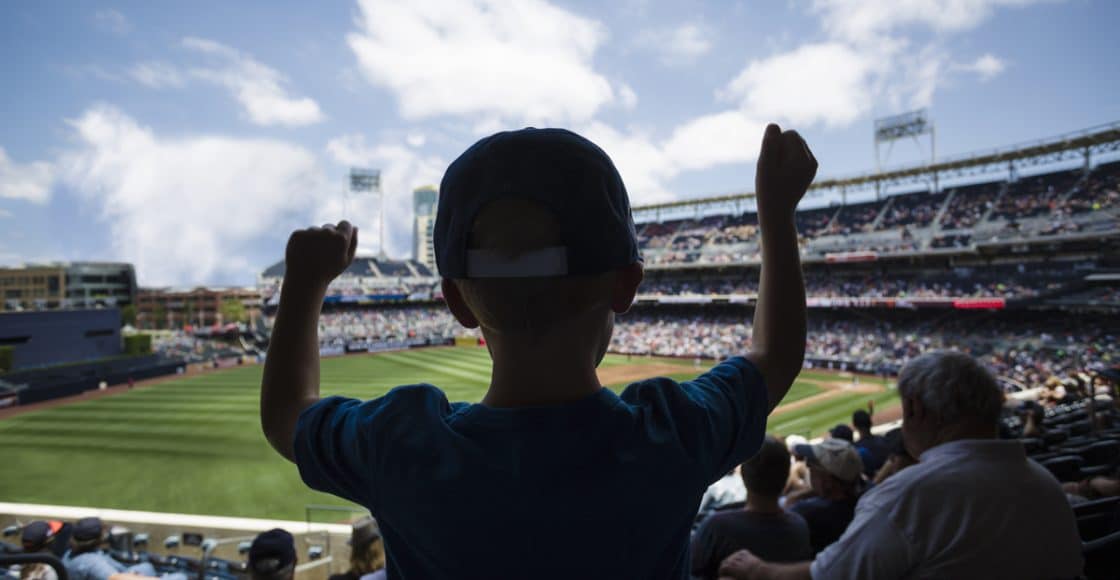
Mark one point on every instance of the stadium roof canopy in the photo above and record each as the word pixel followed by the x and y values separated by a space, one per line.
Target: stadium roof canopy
pixel 1078 145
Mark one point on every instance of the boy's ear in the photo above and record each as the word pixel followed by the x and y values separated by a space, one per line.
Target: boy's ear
pixel 626 282
pixel 457 305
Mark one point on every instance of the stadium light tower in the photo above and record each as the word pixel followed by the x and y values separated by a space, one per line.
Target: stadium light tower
pixel 368 181
pixel 890 129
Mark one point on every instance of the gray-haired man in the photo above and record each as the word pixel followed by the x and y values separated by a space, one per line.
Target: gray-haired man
pixel 972 507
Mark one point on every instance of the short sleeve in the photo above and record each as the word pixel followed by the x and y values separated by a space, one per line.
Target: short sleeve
pixel 705 560
pixel 719 417
pixel 338 440
pixel 872 547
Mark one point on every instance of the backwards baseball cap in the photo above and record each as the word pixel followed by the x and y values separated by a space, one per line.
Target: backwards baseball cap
pixel 564 173
pixel 87 530
pixel 272 553
pixel 836 456
pixel 37 534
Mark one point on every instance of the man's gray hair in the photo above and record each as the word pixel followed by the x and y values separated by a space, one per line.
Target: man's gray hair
pixel 952 386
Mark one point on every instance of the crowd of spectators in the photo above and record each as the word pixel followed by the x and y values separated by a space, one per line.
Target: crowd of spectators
pixel 88 551
pixel 855 218
pixel 827 285
pixel 860 505
pixel 1054 197
pixel 1035 196
pixel 1027 352
pixel 341 326
pixel 914 210
pixel 969 205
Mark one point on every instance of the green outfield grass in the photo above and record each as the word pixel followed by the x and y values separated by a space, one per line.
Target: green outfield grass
pixel 194 445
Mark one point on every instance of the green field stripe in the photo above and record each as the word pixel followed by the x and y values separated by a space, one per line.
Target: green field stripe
pixel 469 362
pixel 801 390
pixel 480 354
pixel 441 368
pixel 822 416
pixel 154 417
pixel 118 431
pixel 64 445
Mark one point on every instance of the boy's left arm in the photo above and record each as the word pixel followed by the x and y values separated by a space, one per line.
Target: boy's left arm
pixel 313 258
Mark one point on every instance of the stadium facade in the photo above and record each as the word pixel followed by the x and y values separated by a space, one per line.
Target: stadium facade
pixel 67 285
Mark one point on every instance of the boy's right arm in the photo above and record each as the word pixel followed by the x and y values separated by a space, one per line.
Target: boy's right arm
pixel 313 258
pixel 786 167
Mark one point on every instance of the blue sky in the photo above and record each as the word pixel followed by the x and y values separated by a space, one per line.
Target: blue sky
pixel 190 138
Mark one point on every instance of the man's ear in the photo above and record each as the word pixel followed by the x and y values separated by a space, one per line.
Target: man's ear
pixel 626 282
pixel 457 305
pixel 912 408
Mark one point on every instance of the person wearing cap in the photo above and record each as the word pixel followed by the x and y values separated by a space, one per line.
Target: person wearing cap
pixel 761 526
pixel 872 448
pixel 86 560
pixel 367 552
pixel 551 475
pixel 272 556
pixel 37 536
pixel 834 473
pixel 953 514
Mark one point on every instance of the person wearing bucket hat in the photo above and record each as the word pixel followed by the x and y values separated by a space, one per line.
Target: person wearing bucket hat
pixel 367 552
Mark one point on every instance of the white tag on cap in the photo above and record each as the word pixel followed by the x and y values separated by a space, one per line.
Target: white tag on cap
pixel 551 261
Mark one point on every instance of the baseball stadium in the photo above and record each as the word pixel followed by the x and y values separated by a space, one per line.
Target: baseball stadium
pixel 131 414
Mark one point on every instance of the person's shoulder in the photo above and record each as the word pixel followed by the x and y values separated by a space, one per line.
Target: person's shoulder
pixel 794 519
pixel 809 505
pixel 733 371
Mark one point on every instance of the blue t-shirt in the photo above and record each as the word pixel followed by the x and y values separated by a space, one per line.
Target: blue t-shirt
pixel 606 486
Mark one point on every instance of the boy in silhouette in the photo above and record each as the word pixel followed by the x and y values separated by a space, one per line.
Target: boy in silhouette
pixel 550 475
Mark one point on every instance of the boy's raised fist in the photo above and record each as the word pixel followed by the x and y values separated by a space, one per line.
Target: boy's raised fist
pixel 786 167
pixel 315 256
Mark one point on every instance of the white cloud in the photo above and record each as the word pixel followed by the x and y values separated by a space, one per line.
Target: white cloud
pixel 402 170
pixel 258 87
pixel 720 138
pixel 640 160
pixel 157 75
pixel 646 163
pixel 861 20
pixel 112 21
pixel 185 209
pixel 626 96
pixel 987 66
pixel 827 83
pixel 523 60
pixel 868 62
pixel 678 45
pixel 28 181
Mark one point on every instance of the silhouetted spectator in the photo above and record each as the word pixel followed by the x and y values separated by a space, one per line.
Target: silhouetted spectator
pixel 762 526
pixel 86 561
pixel 834 470
pixel 367 552
pixel 272 556
pixel 872 448
pixel 958 513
